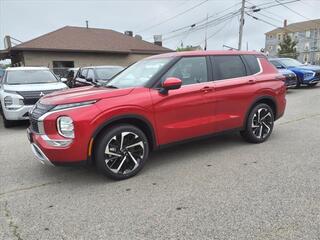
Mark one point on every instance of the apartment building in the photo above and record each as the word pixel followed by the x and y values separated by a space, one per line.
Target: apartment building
pixel 306 33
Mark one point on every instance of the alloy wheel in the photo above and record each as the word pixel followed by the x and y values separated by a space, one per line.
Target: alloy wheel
pixel 262 123
pixel 124 152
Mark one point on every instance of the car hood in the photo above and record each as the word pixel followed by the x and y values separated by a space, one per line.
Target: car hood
pixel 35 87
pixel 83 94
pixel 308 67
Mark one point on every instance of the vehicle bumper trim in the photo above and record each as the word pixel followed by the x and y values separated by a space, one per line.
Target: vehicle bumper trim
pixel 40 155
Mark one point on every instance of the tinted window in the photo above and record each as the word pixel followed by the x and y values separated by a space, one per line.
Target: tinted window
pixel 226 67
pixel 252 63
pixel 190 70
pixel 90 74
pixel 276 64
pixel 30 76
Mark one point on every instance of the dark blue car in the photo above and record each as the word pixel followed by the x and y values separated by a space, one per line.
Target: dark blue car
pixel 306 74
pixel 291 77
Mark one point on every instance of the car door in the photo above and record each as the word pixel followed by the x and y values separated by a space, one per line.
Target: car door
pixel 185 112
pixel 235 88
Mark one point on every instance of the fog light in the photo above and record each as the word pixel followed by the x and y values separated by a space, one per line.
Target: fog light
pixel 65 127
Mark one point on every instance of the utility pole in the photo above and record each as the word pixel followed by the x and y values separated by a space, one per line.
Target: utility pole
pixel 205 37
pixel 241 24
pixel 87 24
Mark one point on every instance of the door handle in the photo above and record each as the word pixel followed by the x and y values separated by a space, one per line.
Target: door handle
pixel 252 81
pixel 206 89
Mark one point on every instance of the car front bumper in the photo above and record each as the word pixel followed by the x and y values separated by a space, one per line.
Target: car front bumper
pixel 19 114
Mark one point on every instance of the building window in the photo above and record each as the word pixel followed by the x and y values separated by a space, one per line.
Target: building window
pixel 306 58
pixel 270 48
pixel 308 34
pixel 279 36
pixel 306 46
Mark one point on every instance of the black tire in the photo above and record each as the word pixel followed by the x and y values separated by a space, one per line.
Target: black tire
pixel 298 84
pixel 131 159
pixel 7 123
pixel 312 85
pixel 260 118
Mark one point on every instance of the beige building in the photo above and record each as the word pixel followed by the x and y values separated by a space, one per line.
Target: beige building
pixel 77 46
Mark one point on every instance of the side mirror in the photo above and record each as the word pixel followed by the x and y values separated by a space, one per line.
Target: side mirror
pixel 170 84
pixel 64 80
pixel 89 80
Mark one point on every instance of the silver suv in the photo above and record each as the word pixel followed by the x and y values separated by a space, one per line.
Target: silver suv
pixel 21 88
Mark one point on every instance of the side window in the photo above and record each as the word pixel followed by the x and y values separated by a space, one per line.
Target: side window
pixel 252 63
pixel 83 73
pixel 276 64
pixel 90 74
pixel 190 70
pixel 226 67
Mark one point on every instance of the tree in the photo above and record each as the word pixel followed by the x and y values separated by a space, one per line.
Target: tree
pixel 288 48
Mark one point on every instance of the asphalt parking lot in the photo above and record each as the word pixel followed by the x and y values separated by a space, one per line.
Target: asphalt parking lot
pixel 219 188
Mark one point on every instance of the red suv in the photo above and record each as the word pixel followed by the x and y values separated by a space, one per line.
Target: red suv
pixel 158 101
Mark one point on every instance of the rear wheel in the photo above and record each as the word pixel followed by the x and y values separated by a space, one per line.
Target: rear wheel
pixel 259 124
pixel 121 151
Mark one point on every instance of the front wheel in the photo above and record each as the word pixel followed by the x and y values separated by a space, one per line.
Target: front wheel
pixel 121 151
pixel 7 123
pixel 312 84
pixel 259 124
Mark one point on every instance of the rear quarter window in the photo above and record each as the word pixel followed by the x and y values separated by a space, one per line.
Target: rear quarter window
pixel 227 67
pixel 252 64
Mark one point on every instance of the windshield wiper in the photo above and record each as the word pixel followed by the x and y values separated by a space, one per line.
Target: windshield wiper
pixel 110 86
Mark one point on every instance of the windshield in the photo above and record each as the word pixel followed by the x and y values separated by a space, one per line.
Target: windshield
pixel 30 77
pixel 289 62
pixel 107 73
pixel 138 74
pixel 1 73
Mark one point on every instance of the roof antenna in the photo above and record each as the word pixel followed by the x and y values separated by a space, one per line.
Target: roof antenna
pixel 87 23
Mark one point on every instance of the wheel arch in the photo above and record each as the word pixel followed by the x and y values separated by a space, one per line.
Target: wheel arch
pixel 135 120
pixel 269 100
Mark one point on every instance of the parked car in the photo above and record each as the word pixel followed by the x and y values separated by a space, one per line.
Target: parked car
pixel 87 76
pixel 21 88
pixel 1 73
pixel 306 74
pixel 71 75
pixel 156 102
pixel 291 77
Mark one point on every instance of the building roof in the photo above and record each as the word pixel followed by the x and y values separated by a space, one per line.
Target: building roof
pixel 297 27
pixel 80 39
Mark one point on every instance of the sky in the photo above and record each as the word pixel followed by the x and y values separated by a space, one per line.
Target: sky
pixel 25 19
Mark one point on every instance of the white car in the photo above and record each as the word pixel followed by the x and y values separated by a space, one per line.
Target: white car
pixel 22 87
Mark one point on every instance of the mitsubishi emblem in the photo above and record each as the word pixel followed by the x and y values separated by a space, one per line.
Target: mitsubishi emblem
pixel 41 94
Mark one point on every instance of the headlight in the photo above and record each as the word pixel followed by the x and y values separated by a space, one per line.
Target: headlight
pixel 8 101
pixel 72 105
pixel 65 127
pixel 308 75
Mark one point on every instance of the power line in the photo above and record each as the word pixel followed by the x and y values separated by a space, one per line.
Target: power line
pixel 175 16
pixel 292 10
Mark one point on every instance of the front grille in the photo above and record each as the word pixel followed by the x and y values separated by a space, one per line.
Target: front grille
pixel 31 97
pixel 37 112
pixel 30 101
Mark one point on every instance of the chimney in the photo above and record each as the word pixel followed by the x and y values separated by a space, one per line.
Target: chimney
pixel 138 37
pixel 158 40
pixel 128 33
pixel 7 42
pixel 285 23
